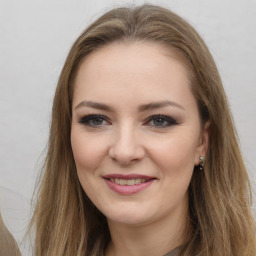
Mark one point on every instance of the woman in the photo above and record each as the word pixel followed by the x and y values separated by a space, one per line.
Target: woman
pixel 143 157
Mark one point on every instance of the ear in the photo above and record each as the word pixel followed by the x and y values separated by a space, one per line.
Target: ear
pixel 203 142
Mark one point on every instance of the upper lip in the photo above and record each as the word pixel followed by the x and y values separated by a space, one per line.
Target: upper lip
pixel 128 176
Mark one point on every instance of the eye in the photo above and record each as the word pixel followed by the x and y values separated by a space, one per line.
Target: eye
pixel 94 120
pixel 161 121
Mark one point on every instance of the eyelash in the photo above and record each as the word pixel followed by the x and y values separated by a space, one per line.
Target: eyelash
pixel 86 120
pixel 170 121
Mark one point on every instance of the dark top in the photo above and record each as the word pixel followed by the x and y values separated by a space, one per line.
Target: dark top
pixel 173 252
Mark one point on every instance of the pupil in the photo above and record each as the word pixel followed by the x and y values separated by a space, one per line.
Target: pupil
pixel 97 121
pixel 159 121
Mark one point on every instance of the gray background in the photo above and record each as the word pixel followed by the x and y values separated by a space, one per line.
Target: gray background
pixel 35 37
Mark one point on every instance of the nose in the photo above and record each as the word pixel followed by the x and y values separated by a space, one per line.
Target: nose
pixel 126 147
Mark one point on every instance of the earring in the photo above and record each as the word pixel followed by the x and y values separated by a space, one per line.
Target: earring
pixel 201 163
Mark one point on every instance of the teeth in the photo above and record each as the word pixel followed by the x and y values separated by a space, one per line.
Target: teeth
pixel 137 181
pixel 130 182
pixel 122 182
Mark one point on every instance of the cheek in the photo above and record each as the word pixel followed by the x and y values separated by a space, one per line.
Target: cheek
pixel 174 156
pixel 87 151
pixel 175 159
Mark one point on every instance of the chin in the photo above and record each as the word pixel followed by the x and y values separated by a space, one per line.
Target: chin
pixel 128 220
pixel 129 216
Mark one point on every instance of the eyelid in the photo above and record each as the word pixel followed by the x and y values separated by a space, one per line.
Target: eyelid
pixel 85 119
pixel 171 121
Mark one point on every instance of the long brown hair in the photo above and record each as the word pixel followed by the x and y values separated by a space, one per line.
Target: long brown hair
pixel 220 220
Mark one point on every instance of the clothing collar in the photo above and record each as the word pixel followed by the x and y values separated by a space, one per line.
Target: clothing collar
pixel 173 252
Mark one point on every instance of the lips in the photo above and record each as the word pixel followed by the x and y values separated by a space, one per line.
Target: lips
pixel 128 184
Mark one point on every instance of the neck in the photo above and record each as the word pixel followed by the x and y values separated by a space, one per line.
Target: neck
pixel 157 238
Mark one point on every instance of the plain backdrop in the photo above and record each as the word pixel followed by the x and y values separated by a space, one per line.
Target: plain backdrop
pixel 35 37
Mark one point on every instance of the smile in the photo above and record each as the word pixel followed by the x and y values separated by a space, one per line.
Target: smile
pixel 128 184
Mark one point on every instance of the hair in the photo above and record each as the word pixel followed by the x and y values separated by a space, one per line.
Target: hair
pixel 220 217
pixel 8 245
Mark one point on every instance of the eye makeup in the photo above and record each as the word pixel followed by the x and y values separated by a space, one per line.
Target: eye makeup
pixel 156 121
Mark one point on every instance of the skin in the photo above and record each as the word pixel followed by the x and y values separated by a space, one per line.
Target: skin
pixel 125 76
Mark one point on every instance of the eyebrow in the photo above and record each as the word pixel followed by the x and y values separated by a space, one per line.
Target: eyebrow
pixel 160 104
pixel 141 108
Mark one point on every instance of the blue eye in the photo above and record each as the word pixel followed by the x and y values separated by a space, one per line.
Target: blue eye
pixel 158 121
pixel 94 120
pixel 161 121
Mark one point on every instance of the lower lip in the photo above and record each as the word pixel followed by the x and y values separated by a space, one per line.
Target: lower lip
pixel 128 189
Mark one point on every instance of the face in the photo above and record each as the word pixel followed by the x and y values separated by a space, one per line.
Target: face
pixel 136 134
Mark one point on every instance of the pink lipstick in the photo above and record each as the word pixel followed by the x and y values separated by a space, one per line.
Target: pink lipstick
pixel 128 184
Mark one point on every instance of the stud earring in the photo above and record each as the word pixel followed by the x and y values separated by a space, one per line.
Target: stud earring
pixel 201 163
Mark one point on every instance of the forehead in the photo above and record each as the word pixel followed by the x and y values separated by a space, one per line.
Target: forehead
pixel 132 70
pixel 146 49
